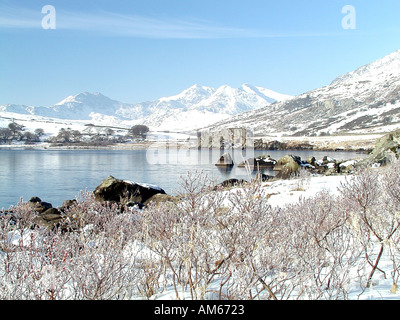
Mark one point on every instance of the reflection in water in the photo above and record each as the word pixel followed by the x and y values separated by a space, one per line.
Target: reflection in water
pixel 55 176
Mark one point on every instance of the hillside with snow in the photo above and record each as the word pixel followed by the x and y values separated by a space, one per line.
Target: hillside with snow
pixel 195 107
pixel 366 100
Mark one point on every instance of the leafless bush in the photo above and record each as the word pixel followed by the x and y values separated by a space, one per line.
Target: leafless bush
pixel 182 235
pixel 248 228
pixel 324 246
pixel 372 201
pixel 220 244
pixel 93 262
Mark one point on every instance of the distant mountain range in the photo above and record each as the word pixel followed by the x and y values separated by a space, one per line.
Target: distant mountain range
pixel 366 100
pixel 195 107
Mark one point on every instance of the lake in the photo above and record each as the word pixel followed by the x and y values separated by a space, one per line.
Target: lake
pixel 59 175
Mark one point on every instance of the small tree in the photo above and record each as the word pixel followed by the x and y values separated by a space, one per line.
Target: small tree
pixel 5 134
pixel 139 131
pixel 30 137
pixel 67 136
pixel 16 130
pixel 39 132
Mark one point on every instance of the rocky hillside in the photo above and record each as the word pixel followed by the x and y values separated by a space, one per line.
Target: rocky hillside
pixel 366 100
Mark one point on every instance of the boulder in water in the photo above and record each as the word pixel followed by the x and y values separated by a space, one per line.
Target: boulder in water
pixel 261 162
pixel 225 161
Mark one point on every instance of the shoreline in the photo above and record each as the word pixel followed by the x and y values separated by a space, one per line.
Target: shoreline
pixel 353 143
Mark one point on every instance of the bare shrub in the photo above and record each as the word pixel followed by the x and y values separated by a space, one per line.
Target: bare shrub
pixel 372 203
pixel 324 245
pixel 182 235
pixel 95 261
pixel 212 243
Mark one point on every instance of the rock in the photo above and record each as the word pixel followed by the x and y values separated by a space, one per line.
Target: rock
pixel 259 144
pixel 287 167
pixel 132 203
pixel 161 198
pixel 326 160
pixel 230 183
pixel 261 177
pixel 51 214
pixel 120 191
pixel 275 145
pixel 35 200
pixel 326 166
pixel 312 161
pixel 262 162
pixel 225 161
pixel 331 171
pixel 49 219
pixel 68 203
pixel 347 167
pixel 38 205
pixel 387 150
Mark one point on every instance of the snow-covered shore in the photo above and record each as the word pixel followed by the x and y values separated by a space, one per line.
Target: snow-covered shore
pixel 280 194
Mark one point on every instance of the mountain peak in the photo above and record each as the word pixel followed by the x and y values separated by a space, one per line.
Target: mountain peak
pixel 195 107
pixel 86 98
pixel 386 66
pixel 365 100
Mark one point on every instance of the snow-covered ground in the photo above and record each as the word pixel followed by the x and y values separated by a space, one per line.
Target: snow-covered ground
pixel 284 192
pixel 280 193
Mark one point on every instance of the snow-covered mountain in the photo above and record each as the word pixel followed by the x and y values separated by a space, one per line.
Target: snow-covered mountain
pixel 195 107
pixel 366 100
pixel 199 106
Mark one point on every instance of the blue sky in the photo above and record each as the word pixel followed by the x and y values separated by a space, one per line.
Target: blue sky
pixel 135 51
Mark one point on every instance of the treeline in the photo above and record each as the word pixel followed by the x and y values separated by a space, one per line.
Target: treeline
pixel 17 132
pixel 95 135
pixel 91 135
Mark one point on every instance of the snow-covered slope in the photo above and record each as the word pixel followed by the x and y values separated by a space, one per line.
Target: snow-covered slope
pixel 79 107
pixel 366 100
pixel 199 106
pixel 195 107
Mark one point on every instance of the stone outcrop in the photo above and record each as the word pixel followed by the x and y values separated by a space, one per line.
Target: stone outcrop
pixel 261 162
pixel 286 167
pixel 111 190
pixel 161 198
pixel 230 183
pixel 387 150
pixel 125 192
pixel 259 144
pixel 38 205
pixel 225 161
pixel 49 219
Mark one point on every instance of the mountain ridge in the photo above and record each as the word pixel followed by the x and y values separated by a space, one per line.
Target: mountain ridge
pixel 366 100
pixel 194 107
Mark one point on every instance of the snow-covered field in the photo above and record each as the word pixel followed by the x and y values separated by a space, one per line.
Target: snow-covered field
pixel 290 191
pixel 181 264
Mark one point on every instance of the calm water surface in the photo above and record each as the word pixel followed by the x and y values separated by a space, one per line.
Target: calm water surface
pixel 58 175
